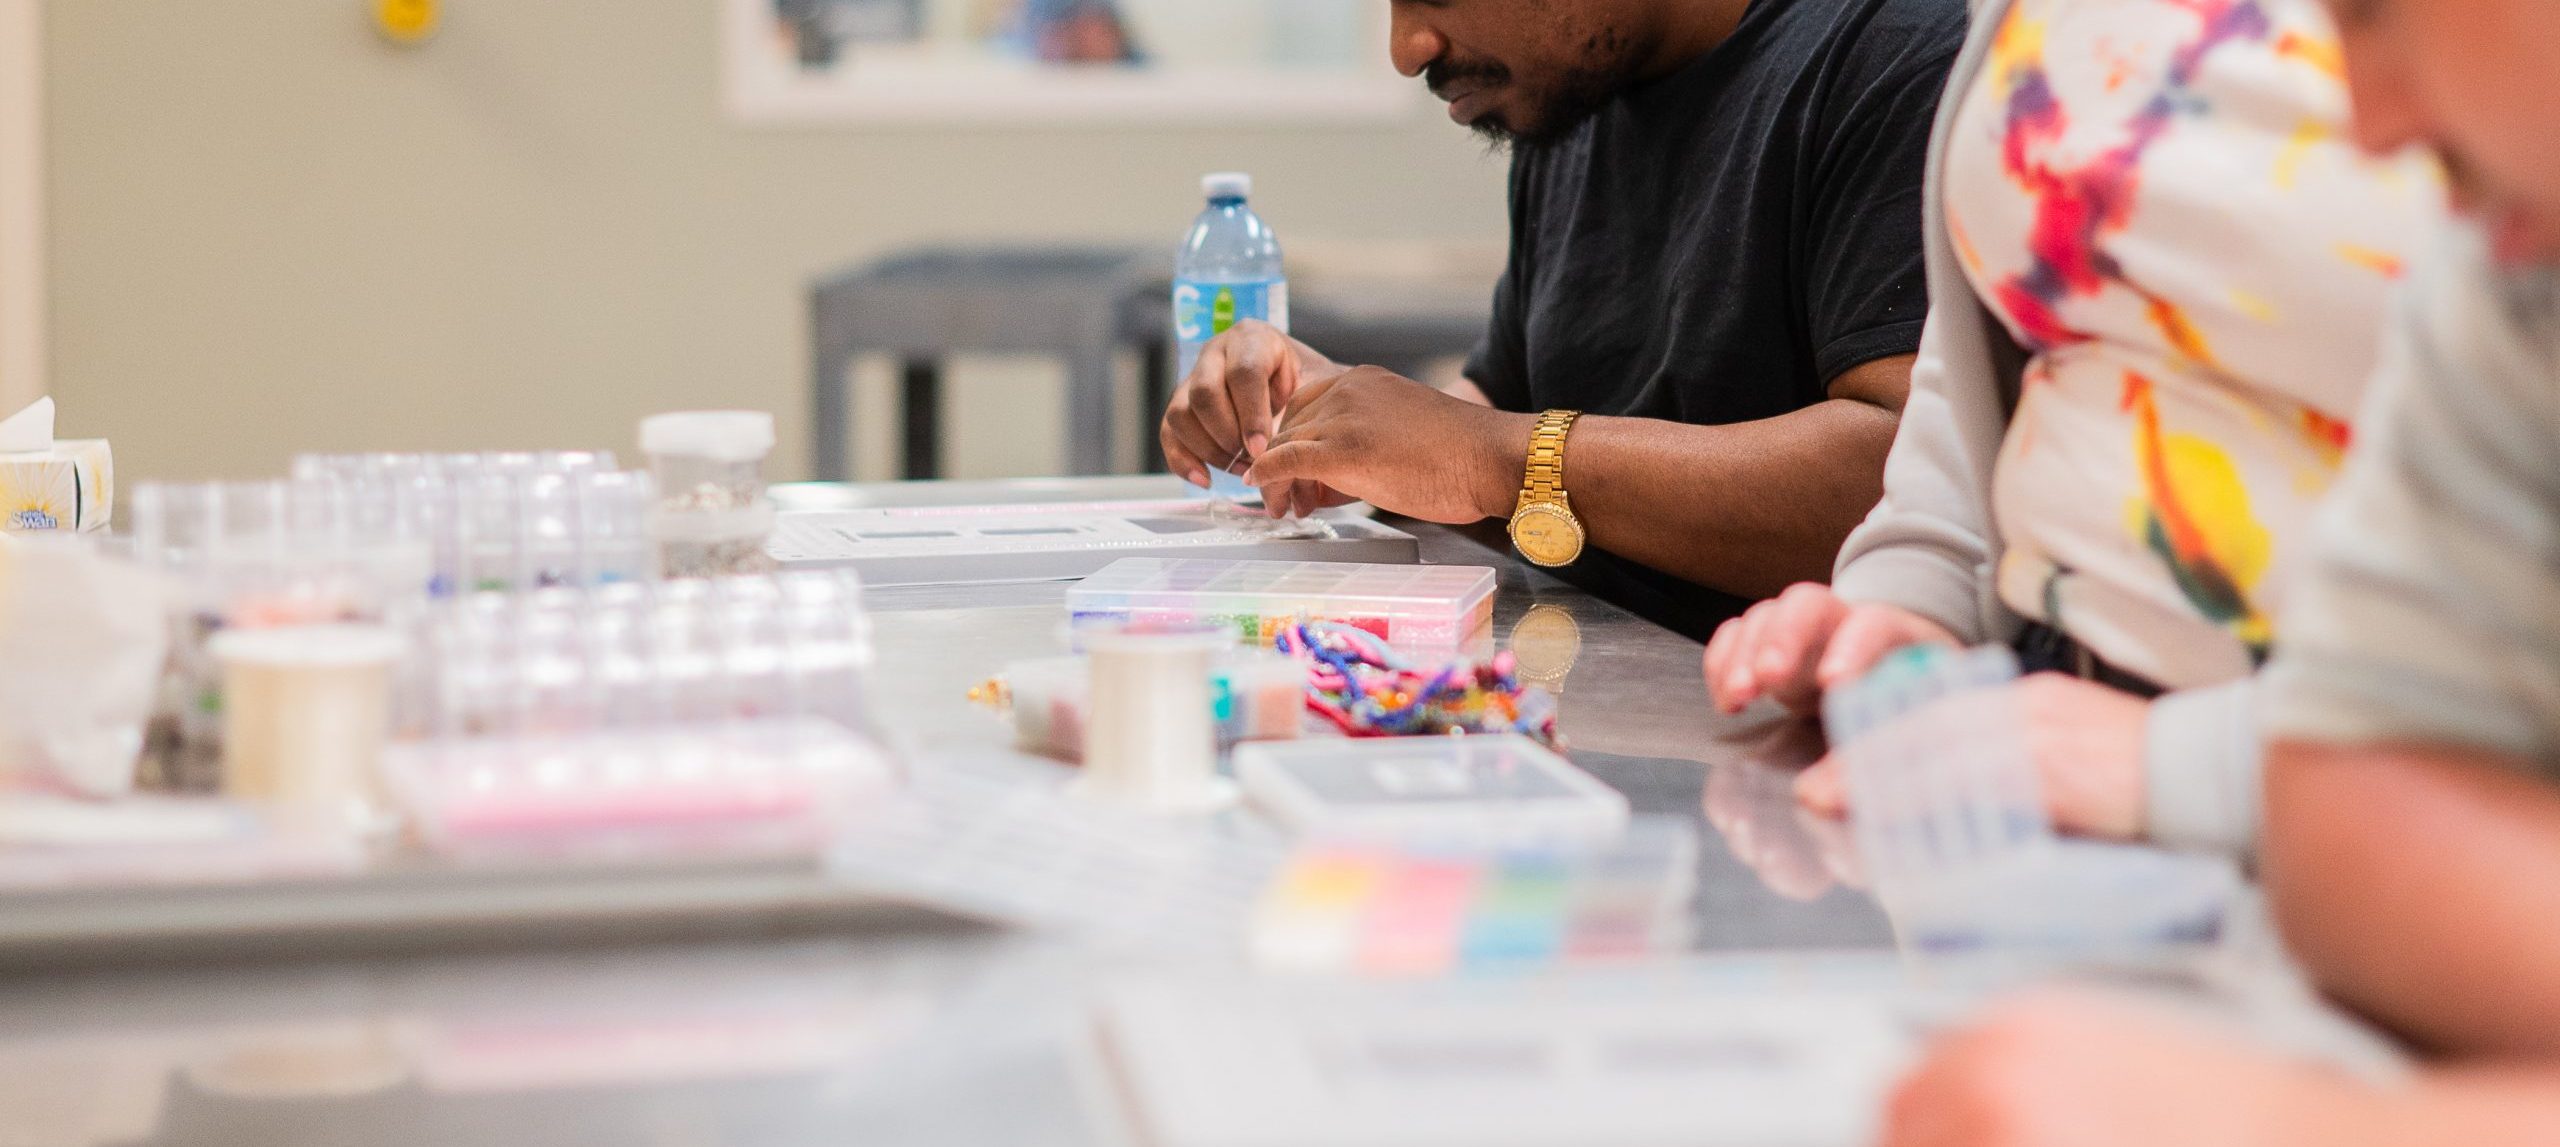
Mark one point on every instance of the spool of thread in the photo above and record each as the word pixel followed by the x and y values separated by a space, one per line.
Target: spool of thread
pixel 306 709
pixel 1153 741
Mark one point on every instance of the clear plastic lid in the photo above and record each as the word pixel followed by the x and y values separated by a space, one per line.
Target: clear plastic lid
pixel 718 435
pixel 1410 606
pixel 388 467
pixel 1467 790
pixel 310 647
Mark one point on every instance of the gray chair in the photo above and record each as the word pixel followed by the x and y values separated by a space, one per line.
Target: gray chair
pixel 1064 303
pixel 1082 307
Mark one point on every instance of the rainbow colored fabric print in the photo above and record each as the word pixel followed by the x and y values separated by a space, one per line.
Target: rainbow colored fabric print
pixel 2158 199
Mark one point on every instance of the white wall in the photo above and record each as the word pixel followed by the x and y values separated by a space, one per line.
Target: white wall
pixel 271 231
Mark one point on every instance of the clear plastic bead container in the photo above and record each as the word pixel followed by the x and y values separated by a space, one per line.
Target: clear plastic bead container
pixel 572 662
pixel 395 467
pixel 258 555
pixel 368 541
pixel 718 716
pixel 1418 609
pixel 499 531
pixel 713 516
pixel 776 785
pixel 474 529
pixel 1950 822
pixel 1396 909
pixel 1477 791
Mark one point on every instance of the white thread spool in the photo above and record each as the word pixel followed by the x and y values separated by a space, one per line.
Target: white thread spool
pixel 1152 741
pixel 305 711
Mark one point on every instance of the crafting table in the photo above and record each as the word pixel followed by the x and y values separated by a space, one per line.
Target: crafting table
pixel 887 1034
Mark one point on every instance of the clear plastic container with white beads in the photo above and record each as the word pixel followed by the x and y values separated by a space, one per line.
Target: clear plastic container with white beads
pixel 713 516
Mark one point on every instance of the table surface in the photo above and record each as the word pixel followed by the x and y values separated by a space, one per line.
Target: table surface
pixel 923 1035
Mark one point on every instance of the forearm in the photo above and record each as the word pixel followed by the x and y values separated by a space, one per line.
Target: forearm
pixel 2416 885
pixel 1749 509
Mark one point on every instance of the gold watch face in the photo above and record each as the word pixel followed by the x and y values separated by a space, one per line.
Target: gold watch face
pixel 1546 534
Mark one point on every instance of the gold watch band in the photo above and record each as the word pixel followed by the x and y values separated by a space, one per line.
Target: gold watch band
pixel 1546 457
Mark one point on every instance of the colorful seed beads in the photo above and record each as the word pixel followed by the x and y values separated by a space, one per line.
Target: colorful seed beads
pixel 1367 689
pixel 1391 910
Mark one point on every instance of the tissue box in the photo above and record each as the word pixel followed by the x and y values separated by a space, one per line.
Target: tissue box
pixel 69 488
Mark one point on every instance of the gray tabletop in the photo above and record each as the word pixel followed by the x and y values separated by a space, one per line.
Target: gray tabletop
pixel 922 1035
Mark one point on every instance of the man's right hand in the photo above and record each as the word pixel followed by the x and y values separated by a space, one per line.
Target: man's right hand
pixel 1801 643
pixel 1224 414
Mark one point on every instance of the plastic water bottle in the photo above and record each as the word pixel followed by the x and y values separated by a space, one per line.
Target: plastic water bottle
pixel 1228 272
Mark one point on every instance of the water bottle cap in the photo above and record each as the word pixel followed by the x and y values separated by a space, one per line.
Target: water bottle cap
pixel 1227 185
pixel 720 435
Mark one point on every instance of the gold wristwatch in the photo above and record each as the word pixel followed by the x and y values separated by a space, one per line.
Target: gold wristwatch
pixel 1543 527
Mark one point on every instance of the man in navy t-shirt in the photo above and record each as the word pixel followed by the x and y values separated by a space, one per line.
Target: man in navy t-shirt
pixel 1715 259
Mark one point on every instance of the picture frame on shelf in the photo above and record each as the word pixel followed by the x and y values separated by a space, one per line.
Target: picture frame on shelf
pixel 1006 62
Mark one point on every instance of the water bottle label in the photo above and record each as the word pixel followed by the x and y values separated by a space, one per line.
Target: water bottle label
pixel 1203 311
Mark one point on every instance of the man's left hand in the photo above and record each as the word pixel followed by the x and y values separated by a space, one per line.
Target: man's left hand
pixel 1371 435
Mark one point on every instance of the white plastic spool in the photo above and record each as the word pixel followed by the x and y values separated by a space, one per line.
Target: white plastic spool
pixel 1153 741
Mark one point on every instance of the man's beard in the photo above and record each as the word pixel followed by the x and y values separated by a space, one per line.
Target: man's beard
pixel 1579 95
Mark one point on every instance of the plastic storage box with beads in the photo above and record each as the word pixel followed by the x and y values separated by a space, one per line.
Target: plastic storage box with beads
pixel 1417 608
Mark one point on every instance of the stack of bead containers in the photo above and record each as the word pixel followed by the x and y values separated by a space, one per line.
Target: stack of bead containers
pixel 1418 609
pixel 361 539
pixel 255 555
pixel 505 521
pixel 724 715
pixel 555 696
pixel 675 652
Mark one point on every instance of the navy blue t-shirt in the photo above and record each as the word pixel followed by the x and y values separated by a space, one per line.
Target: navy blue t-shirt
pixel 1716 246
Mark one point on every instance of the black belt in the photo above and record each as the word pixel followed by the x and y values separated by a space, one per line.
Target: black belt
pixel 2044 649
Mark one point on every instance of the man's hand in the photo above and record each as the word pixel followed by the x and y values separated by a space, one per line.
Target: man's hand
pixel 1223 415
pixel 2086 741
pixel 2068 1071
pixel 1805 641
pixel 1370 435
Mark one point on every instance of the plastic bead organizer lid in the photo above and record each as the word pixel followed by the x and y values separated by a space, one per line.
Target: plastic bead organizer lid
pixel 310 646
pixel 719 435
pixel 1210 587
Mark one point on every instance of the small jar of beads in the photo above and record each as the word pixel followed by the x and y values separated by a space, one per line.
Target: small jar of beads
pixel 713 516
